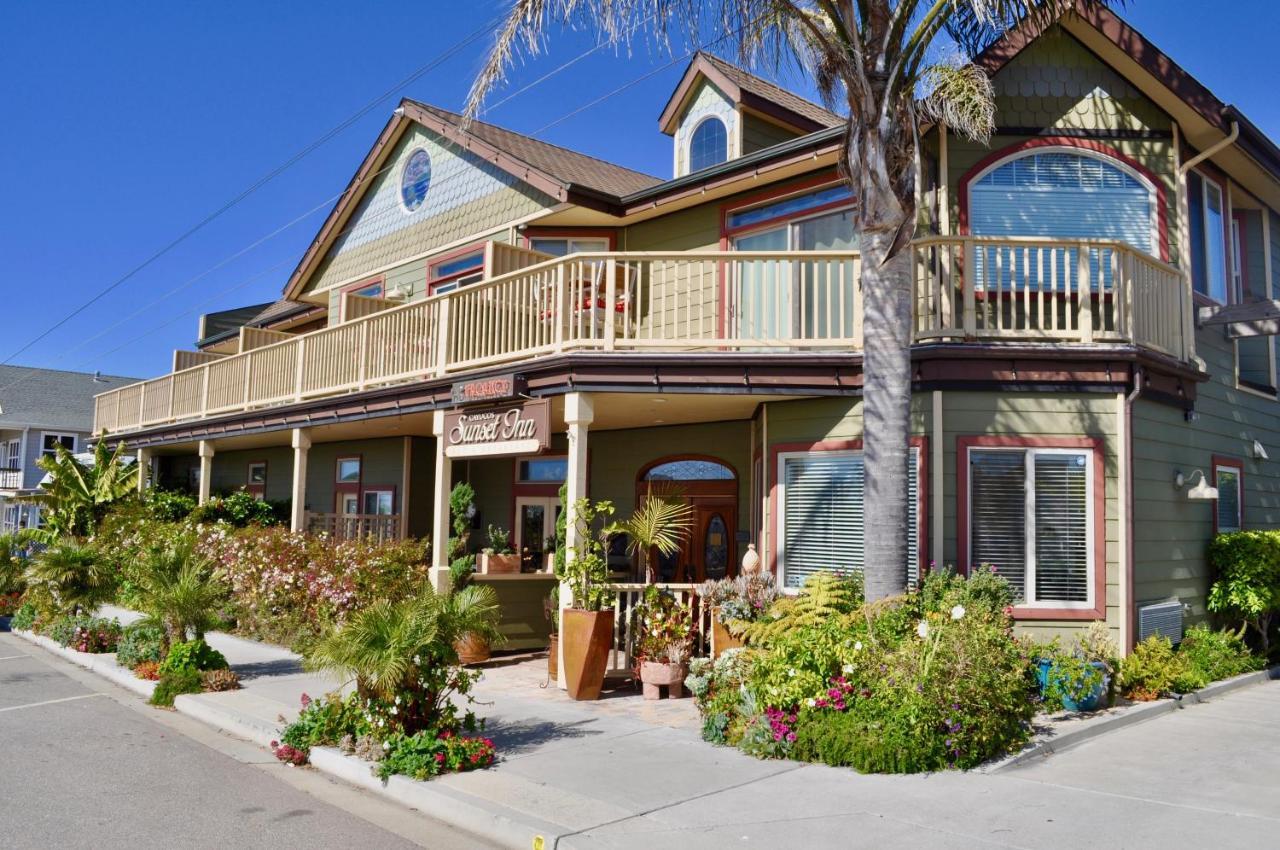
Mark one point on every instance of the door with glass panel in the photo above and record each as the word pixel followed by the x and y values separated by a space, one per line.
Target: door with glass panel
pixel 793 298
pixel 535 527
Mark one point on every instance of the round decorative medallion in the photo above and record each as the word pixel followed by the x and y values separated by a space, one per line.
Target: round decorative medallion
pixel 415 179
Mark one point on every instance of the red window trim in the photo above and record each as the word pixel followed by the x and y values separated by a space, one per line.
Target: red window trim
pixel 1162 211
pixel 964 444
pixel 534 488
pixel 433 282
pixel 802 187
pixel 380 280
pixel 774 518
pixel 249 486
pixel 346 487
pixel 1238 465
pixel 532 233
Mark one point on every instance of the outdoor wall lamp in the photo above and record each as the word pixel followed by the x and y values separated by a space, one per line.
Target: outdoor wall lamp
pixel 1260 452
pixel 1201 491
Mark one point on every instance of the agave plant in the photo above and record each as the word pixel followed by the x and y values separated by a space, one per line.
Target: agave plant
pixel 177 589
pixel 402 651
pixel 662 522
pixel 77 496
pixel 69 577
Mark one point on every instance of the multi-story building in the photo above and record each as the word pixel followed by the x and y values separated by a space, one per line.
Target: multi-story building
pixel 1094 394
pixel 41 409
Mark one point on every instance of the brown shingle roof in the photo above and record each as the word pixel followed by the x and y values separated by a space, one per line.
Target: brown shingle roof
pixel 748 81
pixel 570 167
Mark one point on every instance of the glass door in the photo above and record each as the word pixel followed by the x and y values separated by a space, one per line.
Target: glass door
pixel 535 527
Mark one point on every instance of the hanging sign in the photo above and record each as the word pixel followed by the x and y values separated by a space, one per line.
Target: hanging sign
pixel 493 388
pixel 512 429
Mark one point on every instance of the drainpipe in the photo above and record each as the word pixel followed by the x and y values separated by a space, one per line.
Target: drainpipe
pixel 1126 551
pixel 1205 154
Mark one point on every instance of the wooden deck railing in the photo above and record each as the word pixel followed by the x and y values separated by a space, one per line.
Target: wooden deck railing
pixel 627 596
pixel 965 288
pixel 379 527
pixel 10 479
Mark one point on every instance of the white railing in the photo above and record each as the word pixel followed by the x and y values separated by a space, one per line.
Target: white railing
pixel 965 288
pixel 626 597
pixel 379 527
pixel 10 479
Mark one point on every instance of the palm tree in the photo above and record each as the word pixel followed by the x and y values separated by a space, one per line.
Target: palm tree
pixel 660 523
pixel 68 577
pixel 406 647
pixel 77 496
pixel 176 588
pixel 875 56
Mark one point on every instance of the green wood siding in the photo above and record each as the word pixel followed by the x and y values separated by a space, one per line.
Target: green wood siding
pixel 231 471
pixel 381 463
pixel 758 134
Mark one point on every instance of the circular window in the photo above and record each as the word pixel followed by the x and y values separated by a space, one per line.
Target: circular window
pixel 415 179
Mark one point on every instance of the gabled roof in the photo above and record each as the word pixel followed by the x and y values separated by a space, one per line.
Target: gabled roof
pixel 227 323
pixel 52 398
pixel 748 90
pixel 563 174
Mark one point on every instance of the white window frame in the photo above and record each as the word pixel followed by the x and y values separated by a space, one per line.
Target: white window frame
pixel 13 454
pixel 1029 505
pixel 1237 471
pixel 585 244
pixel 1228 282
pixel 389 492
pixel 688 145
pixel 75 442
pixel 780 525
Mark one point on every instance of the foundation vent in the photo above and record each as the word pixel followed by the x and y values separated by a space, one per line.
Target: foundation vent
pixel 1160 618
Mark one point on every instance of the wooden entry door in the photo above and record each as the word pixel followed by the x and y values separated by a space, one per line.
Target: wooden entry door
pixel 709 551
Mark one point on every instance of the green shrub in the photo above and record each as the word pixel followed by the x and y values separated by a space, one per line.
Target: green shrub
pixel 1216 655
pixel 1247 588
pixel 140 642
pixel 240 509
pixel 1154 669
pixel 184 681
pixel 1071 678
pixel 430 753
pixel 169 505
pixel 24 619
pixel 324 722
pixel 717 688
pixel 194 655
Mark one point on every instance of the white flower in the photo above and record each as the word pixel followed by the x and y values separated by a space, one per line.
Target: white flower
pixel 857 646
pixel 791 672
pixel 811 702
pixel 397 700
pixel 381 722
pixel 922 629
pixel 957 613
pixel 417 660
pixel 386 745
pixel 395 710
pixel 848 668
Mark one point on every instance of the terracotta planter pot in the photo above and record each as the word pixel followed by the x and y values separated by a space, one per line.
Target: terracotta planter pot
pixel 472 650
pixel 655 675
pixel 496 564
pixel 721 639
pixel 553 658
pixel 587 636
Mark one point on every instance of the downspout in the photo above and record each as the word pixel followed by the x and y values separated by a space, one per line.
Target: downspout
pixel 1127 609
pixel 1217 148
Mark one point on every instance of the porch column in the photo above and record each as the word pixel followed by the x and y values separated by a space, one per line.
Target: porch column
pixel 440 509
pixel 579 413
pixel 298 507
pixel 206 469
pixel 144 470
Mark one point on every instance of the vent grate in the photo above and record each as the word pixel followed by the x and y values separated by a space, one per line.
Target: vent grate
pixel 1160 618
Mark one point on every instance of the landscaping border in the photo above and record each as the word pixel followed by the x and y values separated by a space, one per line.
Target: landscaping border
pixel 1136 713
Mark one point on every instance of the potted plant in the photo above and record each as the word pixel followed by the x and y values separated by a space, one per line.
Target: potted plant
pixel 665 630
pixel 660 523
pixel 473 647
pixel 586 627
pixel 735 602
pixel 551 610
pixel 1079 684
pixel 498 556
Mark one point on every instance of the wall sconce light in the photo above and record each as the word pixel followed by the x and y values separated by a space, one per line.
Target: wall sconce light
pixel 1259 451
pixel 1201 492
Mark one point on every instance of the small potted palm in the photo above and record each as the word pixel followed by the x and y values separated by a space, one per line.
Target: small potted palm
pixel 498 556
pixel 586 627
pixel 661 523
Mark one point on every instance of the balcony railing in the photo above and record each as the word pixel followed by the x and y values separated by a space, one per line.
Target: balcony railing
pixel 10 478
pixel 379 527
pixel 965 288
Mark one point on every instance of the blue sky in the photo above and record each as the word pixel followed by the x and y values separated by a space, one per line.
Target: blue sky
pixel 126 124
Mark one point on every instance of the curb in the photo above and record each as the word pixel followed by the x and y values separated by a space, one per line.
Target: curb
pixel 435 799
pixel 1138 713
pixel 104 664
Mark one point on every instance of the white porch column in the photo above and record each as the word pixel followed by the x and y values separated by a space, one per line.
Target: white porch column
pixel 440 508
pixel 298 507
pixel 144 470
pixel 206 469
pixel 579 413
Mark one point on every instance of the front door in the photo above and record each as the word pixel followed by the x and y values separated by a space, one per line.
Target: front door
pixel 715 542
pixel 535 526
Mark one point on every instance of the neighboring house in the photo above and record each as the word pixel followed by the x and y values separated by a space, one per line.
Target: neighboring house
pixel 506 311
pixel 41 409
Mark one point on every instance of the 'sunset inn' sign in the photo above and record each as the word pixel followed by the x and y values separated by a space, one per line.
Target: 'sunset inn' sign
pixel 513 429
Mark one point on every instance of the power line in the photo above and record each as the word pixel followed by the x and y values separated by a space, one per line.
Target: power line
pixel 434 63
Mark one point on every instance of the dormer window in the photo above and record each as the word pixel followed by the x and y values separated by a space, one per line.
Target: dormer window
pixel 709 144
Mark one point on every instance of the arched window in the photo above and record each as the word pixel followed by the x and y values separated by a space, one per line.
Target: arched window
pixel 1065 193
pixel 689 469
pixel 709 144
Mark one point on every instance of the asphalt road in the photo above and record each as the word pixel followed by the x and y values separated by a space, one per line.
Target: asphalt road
pixel 86 764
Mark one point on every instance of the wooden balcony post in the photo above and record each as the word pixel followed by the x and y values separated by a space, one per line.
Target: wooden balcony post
pixel 442 335
pixel 364 353
pixel 206 452
pixel 144 469
pixel 1128 265
pixel 970 283
pixel 440 508
pixel 610 302
pixel 248 377
pixel 560 313
pixel 1084 293
pixel 301 442
pixel 300 369
pixel 204 389
pixel 579 413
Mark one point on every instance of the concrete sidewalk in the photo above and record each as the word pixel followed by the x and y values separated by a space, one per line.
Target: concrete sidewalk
pixel 625 773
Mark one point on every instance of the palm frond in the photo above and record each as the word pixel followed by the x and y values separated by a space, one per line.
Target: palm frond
pixel 961 97
pixel 977 24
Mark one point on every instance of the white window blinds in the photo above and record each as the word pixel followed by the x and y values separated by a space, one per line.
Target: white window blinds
pixel 822 522
pixel 1228 481
pixel 1029 518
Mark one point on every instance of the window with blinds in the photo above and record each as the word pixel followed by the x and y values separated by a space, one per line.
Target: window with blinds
pixel 1227 479
pixel 822 515
pixel 1029 518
